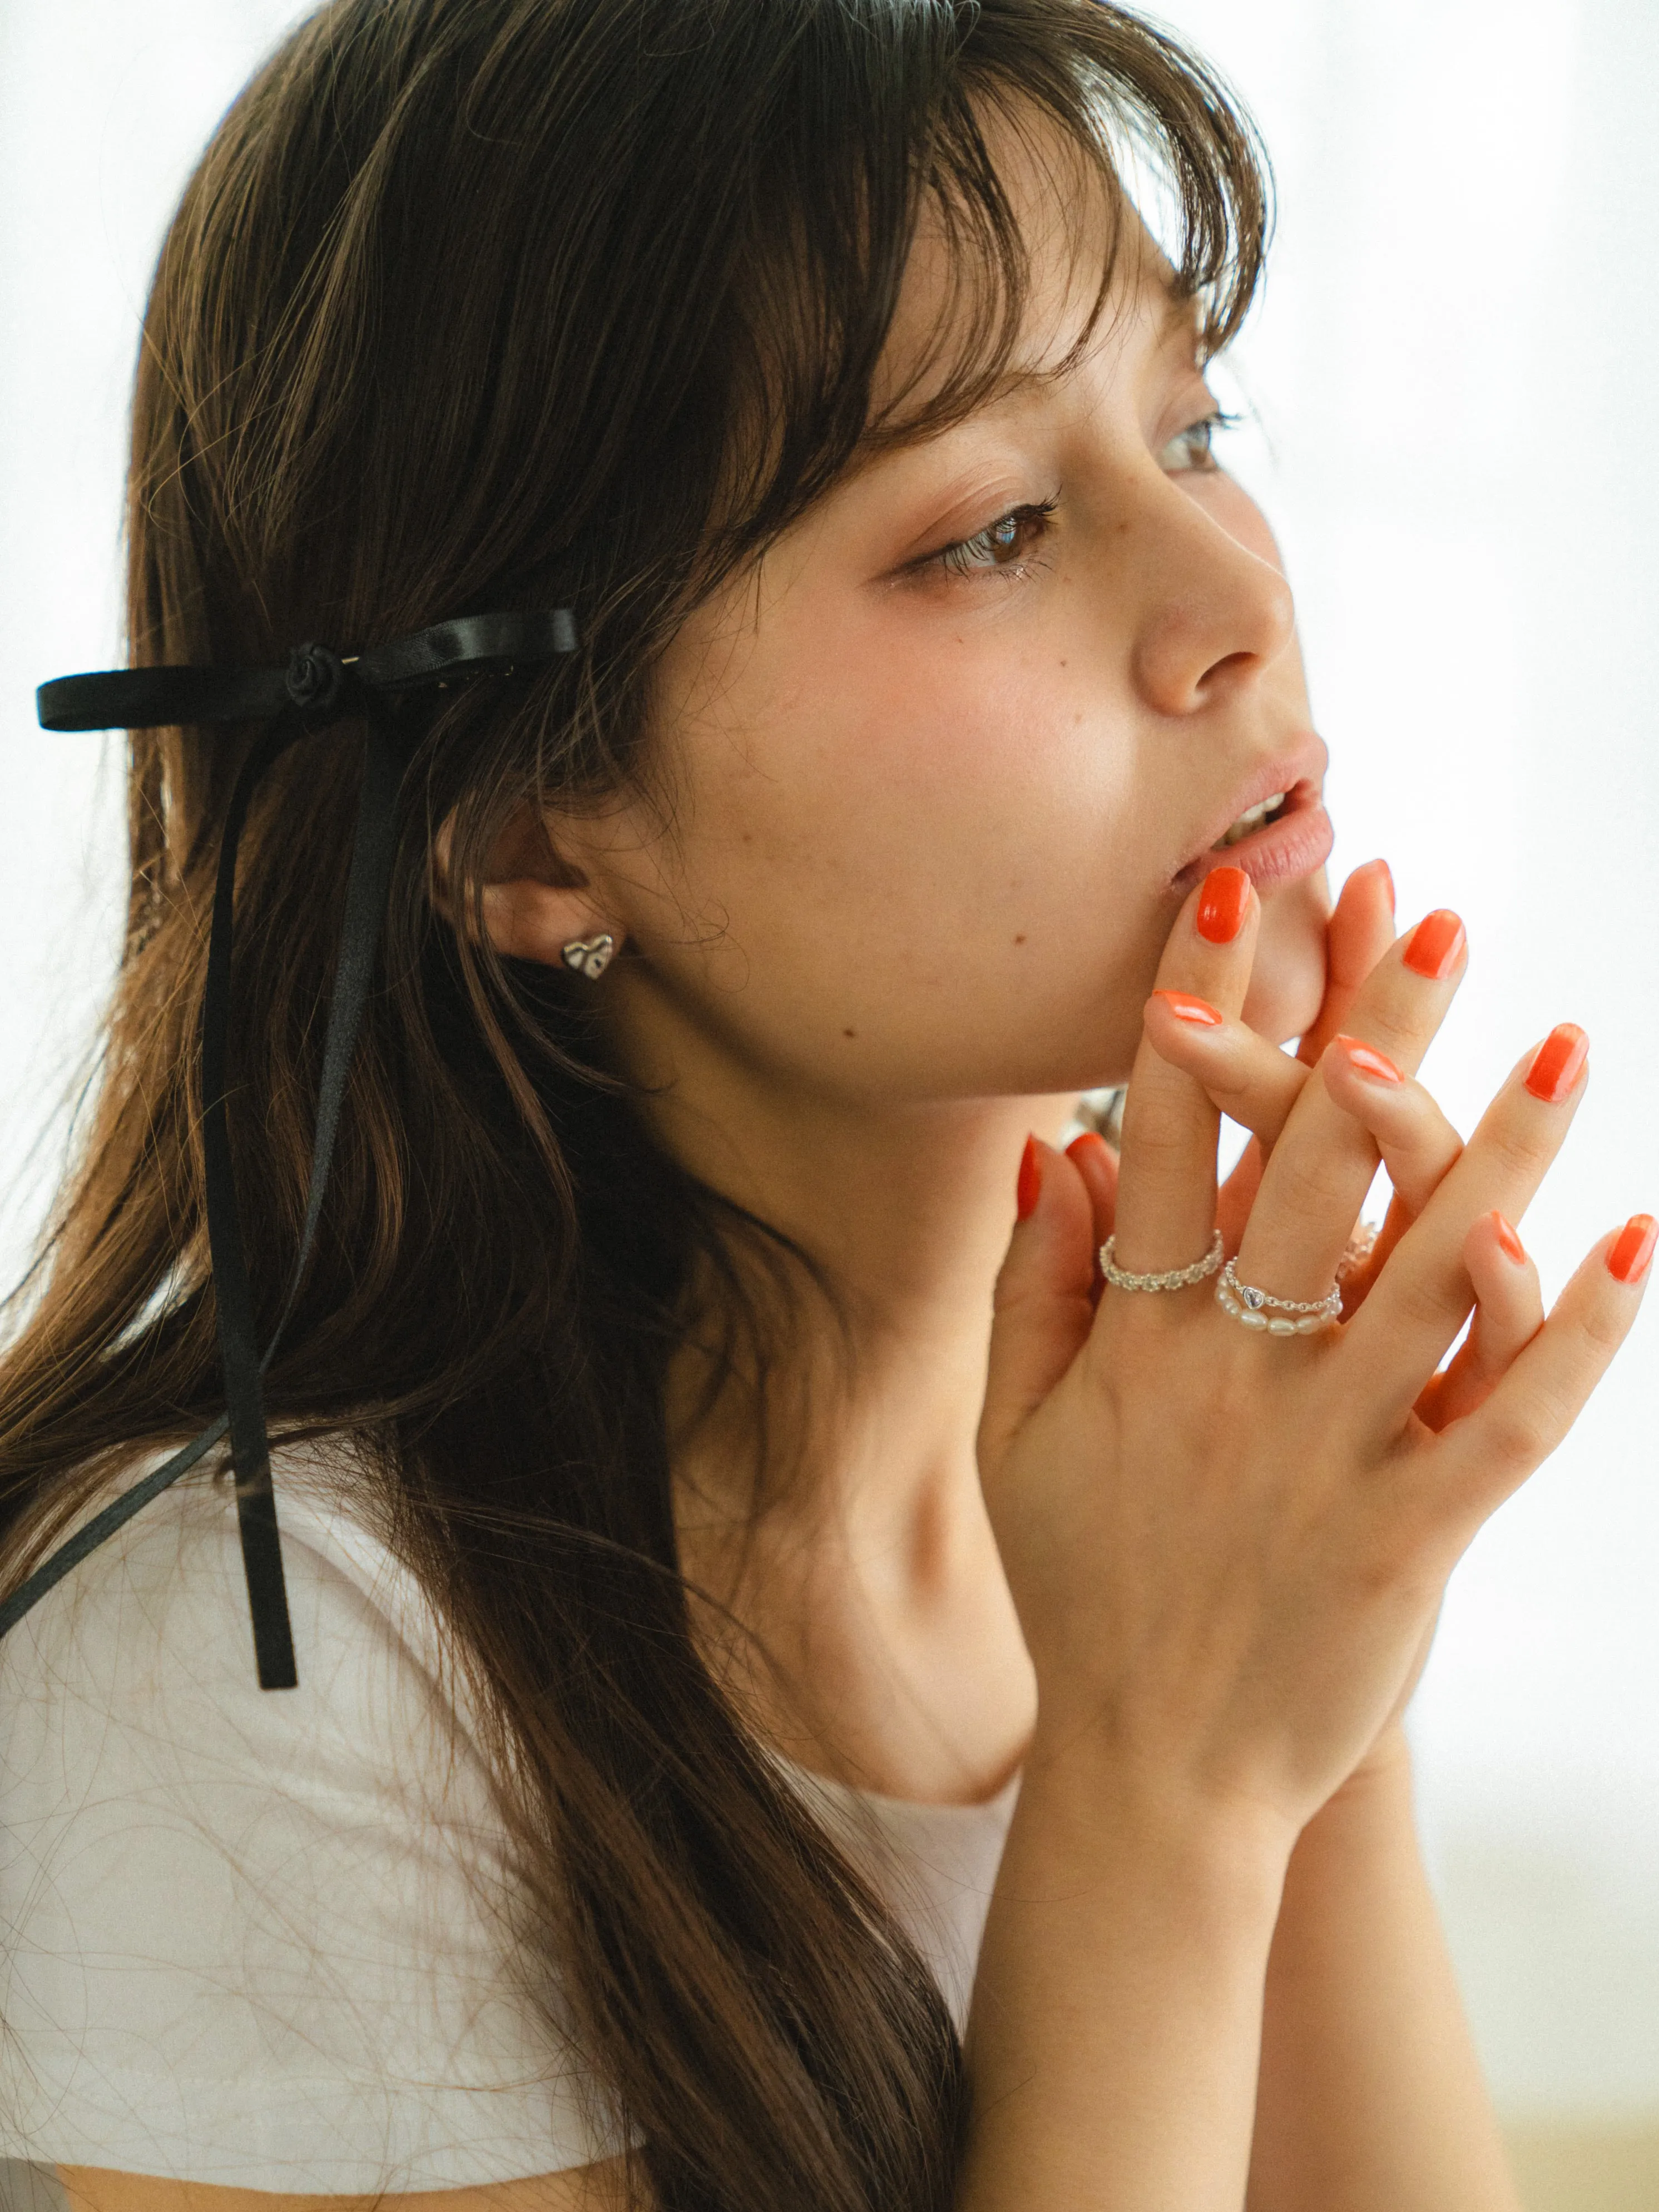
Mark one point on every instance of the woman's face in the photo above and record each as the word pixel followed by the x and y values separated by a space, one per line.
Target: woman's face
pixel 945 771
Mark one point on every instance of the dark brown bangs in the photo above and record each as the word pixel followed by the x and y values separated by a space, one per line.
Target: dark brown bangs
pixel 814 297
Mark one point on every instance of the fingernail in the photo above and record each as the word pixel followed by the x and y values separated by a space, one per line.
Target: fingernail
pixel 1369 1061
pixel 1387 874
pixel 1186 1008
pixel 1632 1249
pixel 1079 1144
pixel 1505 1231
pixel 1557 1063
pixel 1223 904
pixel 1436 945
pixel 1028 1188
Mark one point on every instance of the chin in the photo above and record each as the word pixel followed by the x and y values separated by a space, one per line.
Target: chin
pixel 1287 984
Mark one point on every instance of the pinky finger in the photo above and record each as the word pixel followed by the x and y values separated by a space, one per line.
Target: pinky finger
pixel 1531 1408
pixel 1508 1312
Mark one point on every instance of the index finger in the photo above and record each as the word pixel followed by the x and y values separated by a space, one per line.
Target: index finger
pixel 1166 1195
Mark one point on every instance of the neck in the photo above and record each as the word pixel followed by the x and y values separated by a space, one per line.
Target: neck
pixel 861 1559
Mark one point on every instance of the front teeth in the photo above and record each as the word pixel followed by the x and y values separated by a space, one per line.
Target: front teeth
pixel 1252 820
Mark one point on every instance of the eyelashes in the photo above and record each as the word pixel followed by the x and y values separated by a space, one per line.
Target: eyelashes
pixel 1195 445
pixel 1006 545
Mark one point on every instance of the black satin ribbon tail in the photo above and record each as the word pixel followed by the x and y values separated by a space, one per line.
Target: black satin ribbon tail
pixel 316 688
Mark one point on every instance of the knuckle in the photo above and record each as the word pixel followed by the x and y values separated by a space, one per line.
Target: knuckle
pixel 1270 1073
pixel 1235 1077
pixel 1308 1181
pixel 1514 1441
pixel 1420 1154
pixel 1551 1415
pixel 1161 1140
pixel 1518 1151
pixel 1144 1131
pixel 1546 1409
pixel 1603 1328
pixel 1395 1019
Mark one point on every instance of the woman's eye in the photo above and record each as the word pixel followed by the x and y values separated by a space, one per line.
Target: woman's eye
pixel 1194 446
pixel 1003 544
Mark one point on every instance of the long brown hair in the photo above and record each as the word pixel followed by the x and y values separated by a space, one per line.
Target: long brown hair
pixel 475 304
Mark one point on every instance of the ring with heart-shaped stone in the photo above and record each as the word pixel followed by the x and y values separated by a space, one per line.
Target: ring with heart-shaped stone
pixel 589 956
pixel 1259 1310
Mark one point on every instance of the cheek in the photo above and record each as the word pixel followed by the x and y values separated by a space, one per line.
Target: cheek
pixel 958 806
pixel 939 857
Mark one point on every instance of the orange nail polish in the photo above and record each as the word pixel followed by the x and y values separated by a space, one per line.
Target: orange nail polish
pixel 1513 1248
pixel 1632 1249
pixel 1028 1188
pixel 1436 945
pixel 1369 1061
pixel 1186 1008
pixel 1223 904
pixel 1557 1063
pixel 1078 1145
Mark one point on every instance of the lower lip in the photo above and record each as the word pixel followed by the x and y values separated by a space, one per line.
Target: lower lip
pixel 1280 852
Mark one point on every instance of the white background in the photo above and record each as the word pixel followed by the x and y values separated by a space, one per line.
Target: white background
pixel 1451 374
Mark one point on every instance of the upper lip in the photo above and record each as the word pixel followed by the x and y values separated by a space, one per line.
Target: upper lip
pixel 1302 769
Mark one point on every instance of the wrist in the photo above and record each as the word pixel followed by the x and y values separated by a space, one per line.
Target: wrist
pixel 1364 1834
pixel 1115 2032
pixel 1380 1787
pixel 1097 1802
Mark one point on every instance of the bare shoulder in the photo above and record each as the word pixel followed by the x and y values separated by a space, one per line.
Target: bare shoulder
pixel 599 2188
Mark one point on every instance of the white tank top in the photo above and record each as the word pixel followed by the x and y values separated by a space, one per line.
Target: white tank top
pixel 261 1938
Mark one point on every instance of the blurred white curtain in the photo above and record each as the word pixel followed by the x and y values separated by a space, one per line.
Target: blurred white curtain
pixel 1448 373
pixel 1448 368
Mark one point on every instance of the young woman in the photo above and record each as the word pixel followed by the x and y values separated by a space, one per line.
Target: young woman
pixel 742 1750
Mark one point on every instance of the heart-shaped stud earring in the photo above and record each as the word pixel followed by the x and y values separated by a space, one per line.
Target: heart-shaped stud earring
pixel 589 956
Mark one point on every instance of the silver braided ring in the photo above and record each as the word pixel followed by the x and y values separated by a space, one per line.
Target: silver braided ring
pixel 1278 1316
pixel 1174 1279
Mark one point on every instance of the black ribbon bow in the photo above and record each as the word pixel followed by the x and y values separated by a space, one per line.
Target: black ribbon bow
pixel 317 687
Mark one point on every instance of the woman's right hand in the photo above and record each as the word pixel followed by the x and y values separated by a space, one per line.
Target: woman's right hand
pixel 1228 1548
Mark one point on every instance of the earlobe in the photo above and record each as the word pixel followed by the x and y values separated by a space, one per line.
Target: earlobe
pixel 535 905
pixel 555 924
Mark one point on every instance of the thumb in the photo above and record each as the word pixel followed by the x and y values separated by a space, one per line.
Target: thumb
pixel 1042 1308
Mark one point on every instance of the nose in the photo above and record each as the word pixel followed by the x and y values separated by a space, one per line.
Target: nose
pixel 1218 611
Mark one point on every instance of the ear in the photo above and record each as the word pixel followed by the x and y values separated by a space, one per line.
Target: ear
pixel 535 902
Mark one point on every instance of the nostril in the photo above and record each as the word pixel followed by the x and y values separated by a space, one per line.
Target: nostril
pixel 1229 670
